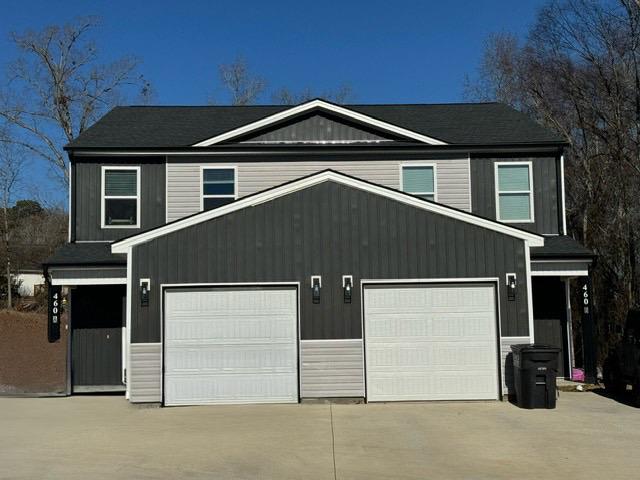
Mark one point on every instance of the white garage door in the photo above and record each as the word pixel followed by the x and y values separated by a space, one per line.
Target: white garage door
pixel 230 346
pixel 431 342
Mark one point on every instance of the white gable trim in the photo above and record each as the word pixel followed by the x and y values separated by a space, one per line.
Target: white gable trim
pixel 322 105
pixel 122 246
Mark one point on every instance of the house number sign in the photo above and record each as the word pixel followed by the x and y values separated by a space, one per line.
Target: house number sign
pixel 585 298
pixel 55 306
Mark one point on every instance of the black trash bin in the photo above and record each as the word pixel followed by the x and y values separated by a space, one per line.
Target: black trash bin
pixel 535 368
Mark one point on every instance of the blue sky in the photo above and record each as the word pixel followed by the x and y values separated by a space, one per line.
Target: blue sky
pixel 387 52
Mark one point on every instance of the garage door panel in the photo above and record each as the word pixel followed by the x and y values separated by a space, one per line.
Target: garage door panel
pixel 230 346
pixel 430 342
pixel 428 355
pixel 217 328
pixel 430 325
pixel 204 389
pixel 213 357
pixel 435 386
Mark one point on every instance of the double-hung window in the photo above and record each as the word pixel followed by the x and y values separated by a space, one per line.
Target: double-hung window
pixel 419 180
pixel 218 186
pixel 514 192
pixel 120 197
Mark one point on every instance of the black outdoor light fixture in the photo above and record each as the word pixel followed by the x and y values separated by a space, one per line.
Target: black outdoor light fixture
pixel 145 286
pixel 347 286
pixel 316 285
pixel 512 286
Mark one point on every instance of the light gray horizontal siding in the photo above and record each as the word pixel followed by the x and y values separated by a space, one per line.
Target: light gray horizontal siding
pixel 88 273
pixel 331 368
pixel 506 364
pixel 184 189
pixel 145 373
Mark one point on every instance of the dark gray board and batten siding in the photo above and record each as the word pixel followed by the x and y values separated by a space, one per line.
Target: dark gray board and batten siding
pixel 317 127
pixel 545 191
pixel 87 200
pixel 329 230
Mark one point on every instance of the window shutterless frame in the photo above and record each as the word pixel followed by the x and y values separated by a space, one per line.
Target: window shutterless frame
pixel 103 198
pixel 496 176
pixel 433 166
pixel 233 196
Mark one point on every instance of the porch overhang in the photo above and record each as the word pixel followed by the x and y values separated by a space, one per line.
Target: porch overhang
pixel 561 256
pixel 76 264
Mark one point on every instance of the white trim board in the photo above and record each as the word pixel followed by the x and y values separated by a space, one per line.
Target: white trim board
pixel 562 192
pixel 318 104
pixel 560 273
pixel 88 281
pixel 527 264
pixel 562 260
pixel 122 246
pixel 67 268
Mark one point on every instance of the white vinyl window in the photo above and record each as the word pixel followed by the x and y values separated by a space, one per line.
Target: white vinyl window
pixel 420 180
pixel 120 197
pixel 218 187
pixel 514 192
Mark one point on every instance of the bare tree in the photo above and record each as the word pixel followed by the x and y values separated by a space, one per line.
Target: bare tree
pixel 12 164
pixel 578 72
pixel 244 86
pixel 286 96
pixel 57 88
pixel 492 83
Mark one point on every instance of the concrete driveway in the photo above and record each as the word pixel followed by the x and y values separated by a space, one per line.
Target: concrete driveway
pixel 587 436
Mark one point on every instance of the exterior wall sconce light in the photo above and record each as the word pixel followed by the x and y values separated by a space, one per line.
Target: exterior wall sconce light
pixel 512 286
pixel 316 285
pixel 145 286
pixel 347 286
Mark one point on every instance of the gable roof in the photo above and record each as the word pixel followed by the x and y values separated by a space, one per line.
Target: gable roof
pixel 182 127
pixel 123 245
pixel 321 105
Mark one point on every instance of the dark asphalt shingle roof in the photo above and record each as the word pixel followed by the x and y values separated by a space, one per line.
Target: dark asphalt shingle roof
pixel 561 246
pixel 182 126
pixel 85 254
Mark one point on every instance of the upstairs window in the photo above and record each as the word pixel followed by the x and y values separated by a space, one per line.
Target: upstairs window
pixel 419 180
pixel 514 192
pixel 120 197
pixel 218 187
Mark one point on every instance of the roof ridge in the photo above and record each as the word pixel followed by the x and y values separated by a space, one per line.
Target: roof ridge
pixel 346 105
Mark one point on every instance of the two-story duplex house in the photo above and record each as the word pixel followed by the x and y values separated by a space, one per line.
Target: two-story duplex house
pixel 276 253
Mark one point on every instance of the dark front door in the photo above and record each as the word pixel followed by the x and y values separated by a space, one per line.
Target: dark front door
pixel 96 342
pixel 550 317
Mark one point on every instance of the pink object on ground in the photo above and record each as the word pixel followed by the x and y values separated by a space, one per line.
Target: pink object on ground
pixel 577 375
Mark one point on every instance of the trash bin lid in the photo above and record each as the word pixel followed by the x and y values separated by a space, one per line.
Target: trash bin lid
pixel 535 347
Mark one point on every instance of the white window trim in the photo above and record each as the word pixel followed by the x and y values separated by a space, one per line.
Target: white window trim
pixel 497 192
pixel 103 198
pixel 218 167
pixel 434 166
